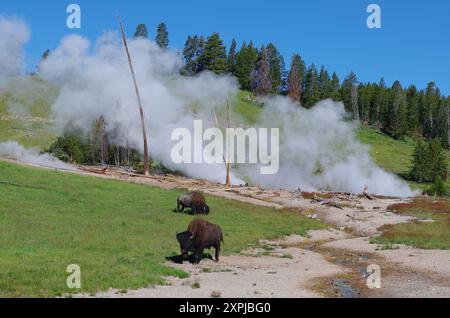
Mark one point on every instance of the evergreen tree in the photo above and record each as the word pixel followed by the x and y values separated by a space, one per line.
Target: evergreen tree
pixel 431 104
pixel 370 109
pixel 311 92
pixel 324 82
pixel 447 108
pixel 295 78
pixel 232 57
pixel 44 56
pixel 397 109
pixel 429 162
pixel 366 98
pixel 199 52
pixel 245 65
pixel 277 68
pixel 333 87
pixel 380 104
pixel 418 170
pixel 141 31
pixel 262 81
pixel 412 100
pixel 349 94
pixel 162 35
pixel 442 120
pixel 190 55
pixel 214 56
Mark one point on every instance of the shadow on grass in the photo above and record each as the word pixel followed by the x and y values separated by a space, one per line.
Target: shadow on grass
pixel 178 259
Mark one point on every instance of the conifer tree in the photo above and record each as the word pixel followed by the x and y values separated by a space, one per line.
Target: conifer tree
pixel 311 92
pixel 429 162
pixel 333 87
pixel 232 57
pixel 141 31
pixel 245 65
pixel 380 104
pixel 214 57
pixel 190 55
pixel 324 80
pixel 412 100
pixel 431 104
pixel 397 108
pixel 294 89
pixel 349 94
pixel 162 35
pixel 277 68
pixel 262 81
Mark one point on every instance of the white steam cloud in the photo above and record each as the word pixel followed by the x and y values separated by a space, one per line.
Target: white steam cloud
pixel 97 82
pixel 318 150
pixel 14 33
pixel 14 150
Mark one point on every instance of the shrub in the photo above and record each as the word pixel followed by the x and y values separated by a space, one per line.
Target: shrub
pixel 438 188
pixel 429 162
pixel 70 148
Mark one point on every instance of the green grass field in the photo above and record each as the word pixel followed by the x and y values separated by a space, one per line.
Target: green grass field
pixel 118 233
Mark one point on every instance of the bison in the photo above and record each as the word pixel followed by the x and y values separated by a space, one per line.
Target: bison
pixel 193 200
pixel 200 235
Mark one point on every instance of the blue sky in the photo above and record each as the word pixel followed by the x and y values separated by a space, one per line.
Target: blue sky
pixel 413 45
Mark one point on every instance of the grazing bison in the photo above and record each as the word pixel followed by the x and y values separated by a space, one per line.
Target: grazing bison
pixel 193 200
pixel 200 235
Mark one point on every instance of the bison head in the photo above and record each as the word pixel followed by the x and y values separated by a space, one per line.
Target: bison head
pixel 185 240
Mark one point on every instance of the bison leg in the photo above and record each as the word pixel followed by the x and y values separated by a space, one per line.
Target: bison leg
pixel 198 256
pixel 217 247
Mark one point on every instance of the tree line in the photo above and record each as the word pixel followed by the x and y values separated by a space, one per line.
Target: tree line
pixel 398 111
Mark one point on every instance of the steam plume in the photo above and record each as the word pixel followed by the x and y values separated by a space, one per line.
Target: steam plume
pixel 14 34
pixel 14 150
pixel 318 148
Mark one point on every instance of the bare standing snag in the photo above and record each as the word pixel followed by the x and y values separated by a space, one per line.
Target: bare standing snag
pixel 141 110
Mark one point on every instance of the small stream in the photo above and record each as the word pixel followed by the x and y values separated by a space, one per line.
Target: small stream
pixel 346 290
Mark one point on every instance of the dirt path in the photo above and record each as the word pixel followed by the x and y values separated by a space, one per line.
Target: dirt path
pixel 329 263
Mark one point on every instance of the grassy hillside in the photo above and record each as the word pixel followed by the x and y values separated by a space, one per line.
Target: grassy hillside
pixel 118 233
pixel 393 155
pixel 25 113
pixel 34 127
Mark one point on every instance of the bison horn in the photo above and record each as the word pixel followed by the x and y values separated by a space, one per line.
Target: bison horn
pixel 192 236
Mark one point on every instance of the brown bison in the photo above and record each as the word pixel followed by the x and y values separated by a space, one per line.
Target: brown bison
pixel 193 200
pixel 200 235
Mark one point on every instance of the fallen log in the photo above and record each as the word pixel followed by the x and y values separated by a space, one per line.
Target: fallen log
pixel 94 170
pixel 367 194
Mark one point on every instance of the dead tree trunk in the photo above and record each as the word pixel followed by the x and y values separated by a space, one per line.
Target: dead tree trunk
pixel 141 110
pixel 354 102
pixel 228 164
pixel 226 159
pixel 448 125
pixel 431 123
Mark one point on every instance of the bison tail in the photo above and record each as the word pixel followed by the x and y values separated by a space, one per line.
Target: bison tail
pixel 221 235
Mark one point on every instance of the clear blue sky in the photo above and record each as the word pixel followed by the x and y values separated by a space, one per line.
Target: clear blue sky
pixel 413 45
